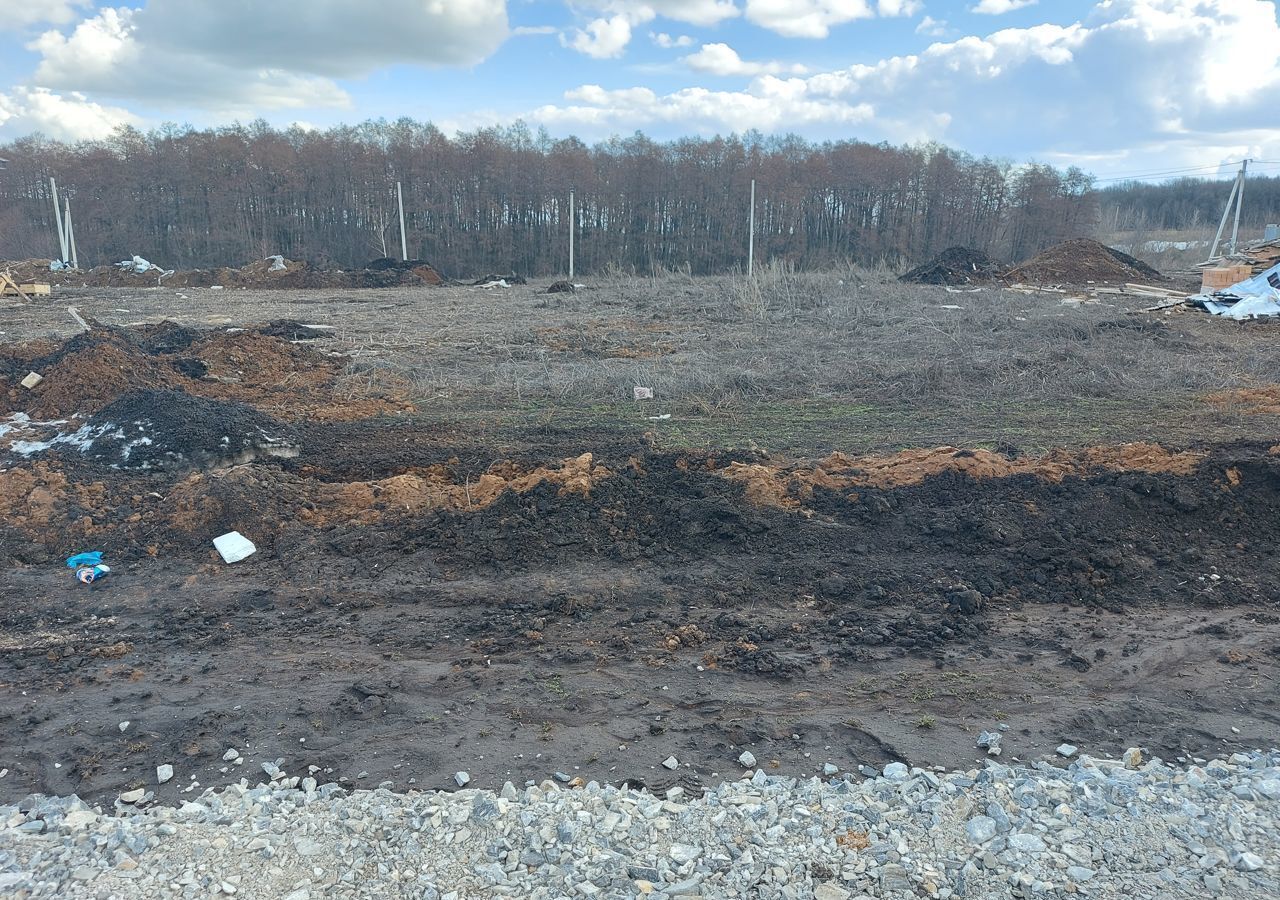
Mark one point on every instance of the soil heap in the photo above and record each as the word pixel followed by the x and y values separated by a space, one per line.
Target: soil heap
pixel 957 266
pixel 1081 261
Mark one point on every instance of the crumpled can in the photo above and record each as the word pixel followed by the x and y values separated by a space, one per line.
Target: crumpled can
pixel 90 574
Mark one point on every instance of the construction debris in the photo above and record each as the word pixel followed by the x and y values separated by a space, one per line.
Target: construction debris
pixel 1257 257
pixel 31 380
pixel 1251 298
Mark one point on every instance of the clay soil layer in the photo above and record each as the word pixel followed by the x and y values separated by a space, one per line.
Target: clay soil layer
pixel 589 600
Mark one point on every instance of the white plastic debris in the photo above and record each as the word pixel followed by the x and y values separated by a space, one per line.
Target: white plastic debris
pixel 277 264
pixel 642 393
pixel 32 380
pixel 234 546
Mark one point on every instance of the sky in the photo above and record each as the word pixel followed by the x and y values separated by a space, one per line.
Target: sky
pixel 1121 88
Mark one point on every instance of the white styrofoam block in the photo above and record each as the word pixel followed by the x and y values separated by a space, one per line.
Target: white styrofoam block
pixel 234 546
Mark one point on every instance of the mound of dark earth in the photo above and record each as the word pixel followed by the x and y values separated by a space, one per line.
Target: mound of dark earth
pixel 171 430
pixel 1082 261
pixel 957 266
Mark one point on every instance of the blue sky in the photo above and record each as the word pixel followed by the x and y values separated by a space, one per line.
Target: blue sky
pixel 1119 87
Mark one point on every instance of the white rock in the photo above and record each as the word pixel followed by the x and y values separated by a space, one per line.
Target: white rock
pixel 1067 750
pixel 132 796
pixel 671 763
pixel 163 773
pixel 830 891
pixel 1079 874
pixel 896 771
pixel 1027 843
pixel 748 759
pixel 1249 862
pixel 231 754
pixel 462 779
pixel 830 769
pixel 124 726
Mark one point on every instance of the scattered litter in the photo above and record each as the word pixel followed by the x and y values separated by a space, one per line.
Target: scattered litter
pixel 956 290
pixel 949 306
pixel 500 283
pixel 32 380
pixel 277 264
pixel 139 266
pixel 89 566
pixel 661 418
pixel 234 546
pixel 642 393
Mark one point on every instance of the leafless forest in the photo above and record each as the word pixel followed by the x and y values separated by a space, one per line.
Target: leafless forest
pixel 497 199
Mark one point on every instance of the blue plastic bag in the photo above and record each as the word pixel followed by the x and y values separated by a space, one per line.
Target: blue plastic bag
pixel 84 559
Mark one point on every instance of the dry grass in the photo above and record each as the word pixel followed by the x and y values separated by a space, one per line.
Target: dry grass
pixel 847 359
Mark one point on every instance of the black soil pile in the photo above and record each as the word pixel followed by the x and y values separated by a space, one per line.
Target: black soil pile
pixel 957 266
pixel 1082 261
pixel 172 431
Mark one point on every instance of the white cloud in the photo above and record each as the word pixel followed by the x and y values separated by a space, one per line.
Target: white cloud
pixel 894 8
pixel 1000 7
pixel 721 59
pixel 1148 81
pixel 69 117
pixel 534 29
pixel 15 14
pixel 692 12
pixel 931 27
pixel 806 18
pixel 231 56
pixel 602 38
pixel 667 41
pixel 771 104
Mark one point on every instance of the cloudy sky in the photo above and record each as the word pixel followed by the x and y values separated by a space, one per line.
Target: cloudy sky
pixel 1119 87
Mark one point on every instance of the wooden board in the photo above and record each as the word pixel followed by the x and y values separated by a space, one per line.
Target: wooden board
pixel 31 290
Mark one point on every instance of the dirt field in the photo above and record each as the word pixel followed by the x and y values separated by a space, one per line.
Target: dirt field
pixel 478 552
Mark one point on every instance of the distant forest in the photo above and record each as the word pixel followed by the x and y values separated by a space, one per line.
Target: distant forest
pixel 497 200
pixel 1186 204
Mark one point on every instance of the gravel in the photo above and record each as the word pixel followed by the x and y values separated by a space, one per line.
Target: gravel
pixel 1094 829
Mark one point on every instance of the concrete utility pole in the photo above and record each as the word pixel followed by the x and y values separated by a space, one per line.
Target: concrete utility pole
pixel 1235 228
pixel 404 245
pixel 573 221
pixel 57 215
pixel 751 232
pixel 71 237
pixel 1226 213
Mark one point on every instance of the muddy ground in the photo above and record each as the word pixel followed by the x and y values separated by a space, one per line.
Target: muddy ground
pixel 434 594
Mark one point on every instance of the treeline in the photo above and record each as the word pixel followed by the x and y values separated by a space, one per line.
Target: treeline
pixel 497 199
pixel 1187 204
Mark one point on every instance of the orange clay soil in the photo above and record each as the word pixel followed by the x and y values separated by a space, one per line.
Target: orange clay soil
pixel 285 380
pixel 41 501
pixel 791 486
pixel 1259 401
